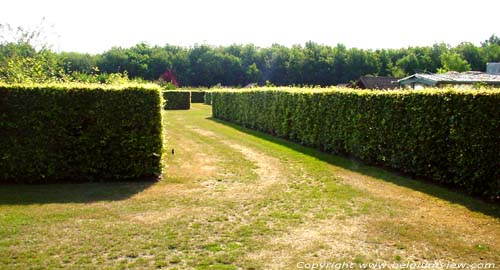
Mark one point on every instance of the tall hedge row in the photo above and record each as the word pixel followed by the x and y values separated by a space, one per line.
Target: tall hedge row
pixel 197 96
pixel 177 100
pixel 208 98
pixel 449 136
pixel 52 133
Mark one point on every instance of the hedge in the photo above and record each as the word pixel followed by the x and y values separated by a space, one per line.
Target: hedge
pixel 74 133
pixel 449 136
pixel 197 96
pixel 208 98
pixel 177 100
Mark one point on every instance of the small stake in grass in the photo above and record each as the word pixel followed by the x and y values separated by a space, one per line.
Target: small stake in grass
pixel 173 151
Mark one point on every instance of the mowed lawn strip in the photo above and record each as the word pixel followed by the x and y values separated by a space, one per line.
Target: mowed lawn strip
pixel 232 198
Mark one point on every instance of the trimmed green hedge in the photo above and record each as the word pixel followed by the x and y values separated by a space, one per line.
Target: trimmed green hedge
pixel 73 133
pixel 207 99
pixel 177 100
pixel 449 136
pixel 197 96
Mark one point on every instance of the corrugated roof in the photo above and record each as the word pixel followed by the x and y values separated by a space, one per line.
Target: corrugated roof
pixel 457 77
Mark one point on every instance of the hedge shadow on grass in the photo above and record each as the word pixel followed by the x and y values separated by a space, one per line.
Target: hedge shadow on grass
pixel 26 194
pixel 452 196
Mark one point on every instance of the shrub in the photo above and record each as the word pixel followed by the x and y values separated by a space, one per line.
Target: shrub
pixel 177 100
pixel 207 99
pixel 197 96
pixel 79 132
pixel 450 136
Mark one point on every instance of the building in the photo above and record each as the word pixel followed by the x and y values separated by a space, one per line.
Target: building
pixel 454 79
pixel 493 68
pixel 375 82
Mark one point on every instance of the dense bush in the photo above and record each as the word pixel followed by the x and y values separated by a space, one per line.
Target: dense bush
pixel 197 96
pixel 449 136
pixel 177 100
pixel 78 132
pixel 207 99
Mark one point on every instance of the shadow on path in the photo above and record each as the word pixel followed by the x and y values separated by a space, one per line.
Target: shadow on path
pixel 23 194
pixel 455 197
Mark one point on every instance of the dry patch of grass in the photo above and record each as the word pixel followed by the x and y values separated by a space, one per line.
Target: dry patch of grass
pixel 442 229
pixel 231 198
pixel 169 214
pixel 317 240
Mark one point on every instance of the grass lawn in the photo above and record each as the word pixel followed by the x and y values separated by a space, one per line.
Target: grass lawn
pixel 232 198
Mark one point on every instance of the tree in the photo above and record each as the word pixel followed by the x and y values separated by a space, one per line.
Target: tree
pixel 277 65
pixel 361 62
pixel 316 67
pixel 453 61
pixel 435 54
pixel 491 49
pixel 78 62
pixel 253 74
pixel 491 41
pixel 113 61
pixel 340 68
pixel 138 61
pixel 472 55
pixel 407 65
pixel 491 53
pixel 26 57
pixel 384 62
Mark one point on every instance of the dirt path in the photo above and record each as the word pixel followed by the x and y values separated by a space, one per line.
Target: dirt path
pixel 232 199
pixel 269 170
pixel 409 225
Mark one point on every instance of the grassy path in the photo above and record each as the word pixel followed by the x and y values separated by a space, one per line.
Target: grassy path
pixel 232 198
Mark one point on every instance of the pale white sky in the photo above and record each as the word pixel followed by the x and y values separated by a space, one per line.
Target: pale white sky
pixel 95 26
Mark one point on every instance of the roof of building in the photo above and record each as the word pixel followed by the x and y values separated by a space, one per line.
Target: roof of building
pixel 453 77
pixel 377 82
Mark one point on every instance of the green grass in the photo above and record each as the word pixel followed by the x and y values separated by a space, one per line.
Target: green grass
pixel 232 198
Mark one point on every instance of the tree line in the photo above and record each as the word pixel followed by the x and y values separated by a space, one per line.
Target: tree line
pixel 311 64
pixel 239 65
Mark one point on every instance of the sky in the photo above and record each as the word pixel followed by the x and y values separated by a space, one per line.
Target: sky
pixel 95 26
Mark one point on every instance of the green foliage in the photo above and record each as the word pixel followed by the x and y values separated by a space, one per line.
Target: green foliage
pixel 197 96
pixel 311 64
pixel 167 85
pixel 177 100
pixel 493 40
pixel 207 99
pixel 472 56
pixel 253 73
pixel 77 132
pixel 78 62
pixel 397 72
pixel 409 64
pixel 453 62
pixel 24 59
pixel 103 78
pixel 39 67
pixel 449 136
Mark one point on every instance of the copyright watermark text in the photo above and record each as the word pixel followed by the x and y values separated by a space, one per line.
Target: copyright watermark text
pixel 396 265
